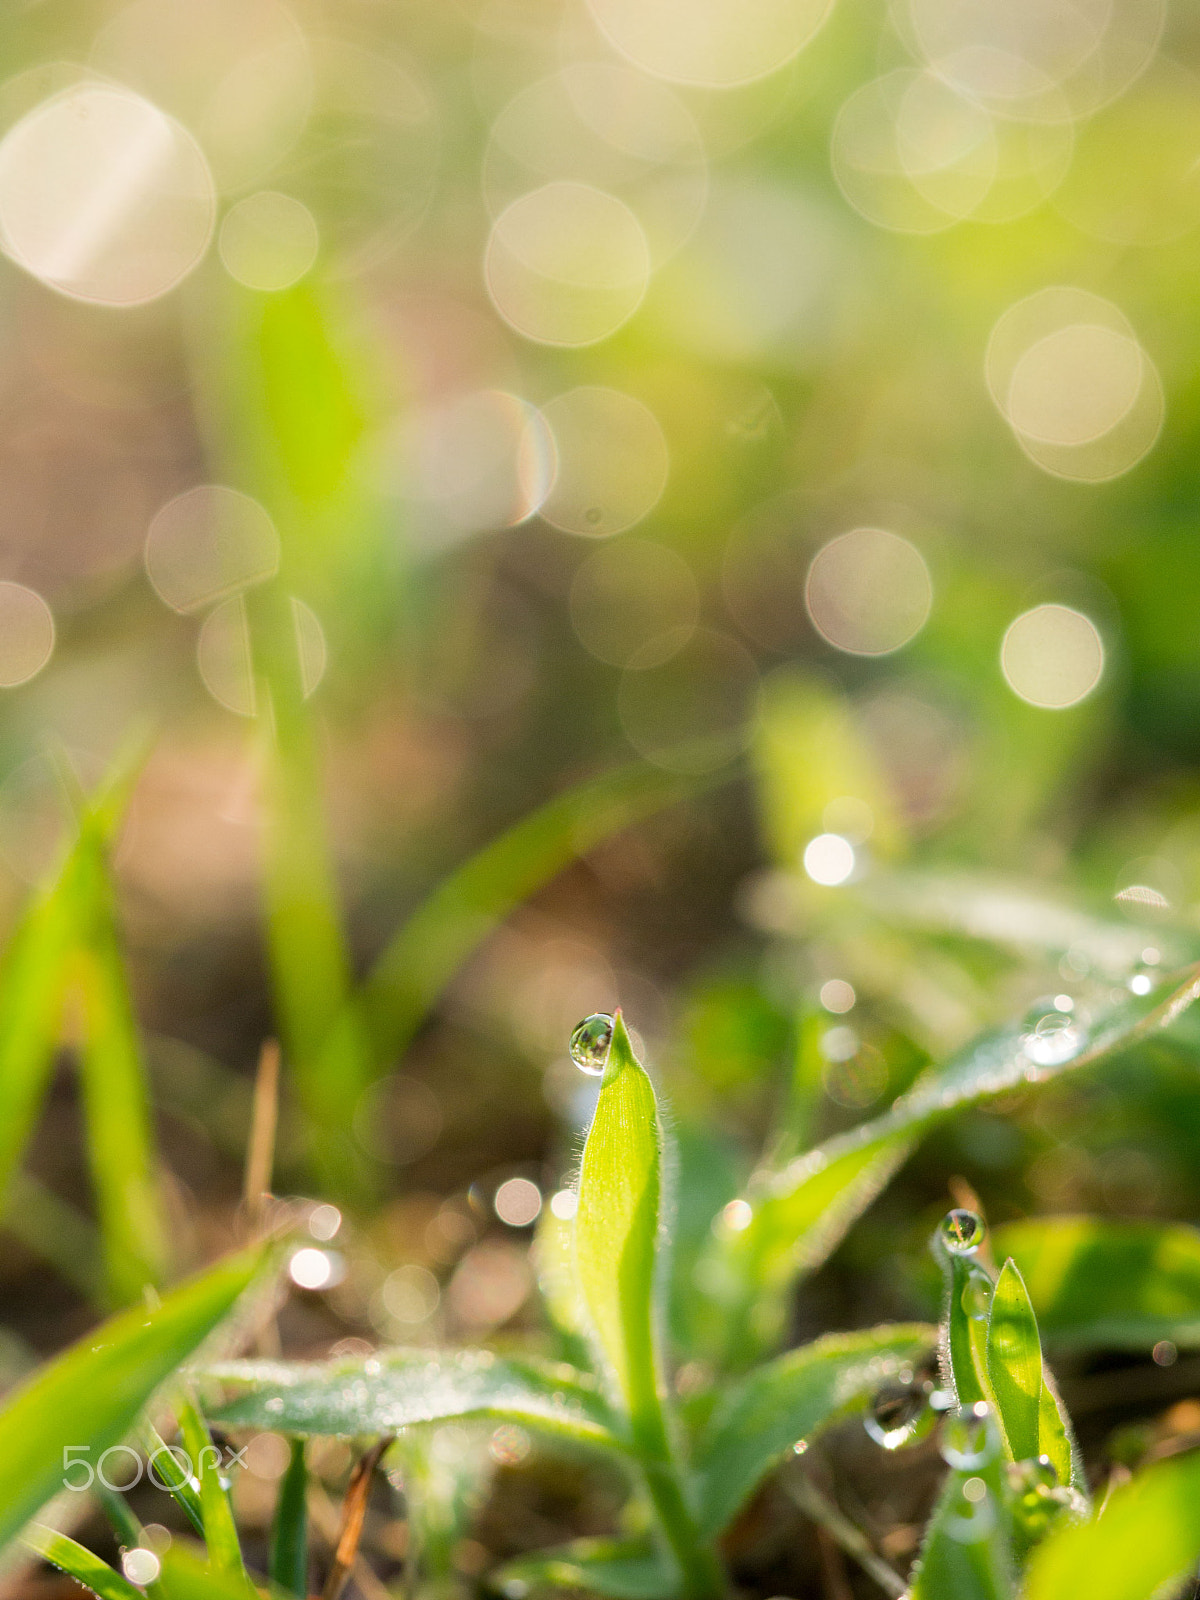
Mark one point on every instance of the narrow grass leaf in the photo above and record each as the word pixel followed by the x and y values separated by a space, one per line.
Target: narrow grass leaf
pixel 79 1563
pixel 117 1117
pixel 91 1395
pixel 220 1531
pixel 1014 1363
pixel 170 1470
pixel 965 1329
pixel 405 1388
pixel 619 1569
pixel 1097 1284
pixel 442 932
pixel 802 1210
pixel 289 1531
pixel 790 1399
pixel 1147 1536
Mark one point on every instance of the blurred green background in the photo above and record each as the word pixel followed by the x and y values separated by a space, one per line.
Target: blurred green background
pixel 678 434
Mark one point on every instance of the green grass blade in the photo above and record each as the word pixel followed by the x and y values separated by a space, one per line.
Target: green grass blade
pixel 289 1532
pixel 119 1133
pixel 1014 1363
pixel 220 1531
pixel 967 1551
pixel 792 1398
pixel 91 1395
pixel 405 1388
pixel 799 1212
pixel 965 1328
pixel 169 1470
pixel 428 950
pixel 618 1569
pixel 79 1563
pixel 1147 1537
pixel 32 986
pixel 187 1575
pixel 1097 1284
pixel 616 1229
pixel 55 1230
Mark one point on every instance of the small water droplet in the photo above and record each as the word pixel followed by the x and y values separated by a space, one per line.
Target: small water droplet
pixel 962 1231
pixel 590 1042
pixel 968 1441
pixel 275 1403
pixel 1053 1040
pixel 1141 983
pixel 899 1414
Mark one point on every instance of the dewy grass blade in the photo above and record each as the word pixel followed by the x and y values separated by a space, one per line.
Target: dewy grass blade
pixel 616 1253
pixel 757 1421
pixel 799 1212
pixel 1014 1363
pixel 967 1551
pixel 79 1563
pixel 89 1397
pixel 289 1532
pixel 220 1531
pixel 408 1388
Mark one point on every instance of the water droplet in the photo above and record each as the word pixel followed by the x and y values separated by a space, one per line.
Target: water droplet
pixel 899 1414
pixel 274 1404
pixel 1141 983
pixel 977 1296
pixel 962 1232
pixel 1053 1040
pixel 969 1442
pixel 590 1042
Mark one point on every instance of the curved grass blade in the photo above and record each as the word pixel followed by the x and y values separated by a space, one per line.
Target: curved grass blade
pixel 1147 1537
pixel 289 1532
pixel 790 1399
pixel 1097 1284
pixel 965 1327
pixel 1014 1363
pixel 1022 919
pixel 170 1471
pixel 802 1210
pixel 79 1563
pixel 618 1569
pixel 419 961
pixel 406 1388
pixel 91 1394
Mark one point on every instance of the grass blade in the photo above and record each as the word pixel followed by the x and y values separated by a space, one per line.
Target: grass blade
pixel 791 1398
pixel 289 1533
pixel 618 1569
pixel 406 1388
pixel 79 1563
pixel 91 1394
pixel 170 1470
pixel 967 1553
pixel 1014 1363
pixel 120 1139
pixel 220 1532
pixel 1097 1284
pixel 446 928
pixel 1147 1537
pixel 799 1212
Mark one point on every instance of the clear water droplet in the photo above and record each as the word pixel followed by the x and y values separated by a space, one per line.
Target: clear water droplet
pixel 899 1414
pixel 1053 1039
pixel 590 1042
pixel 968 1440
pixel 962 1231
pixel 977 1296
